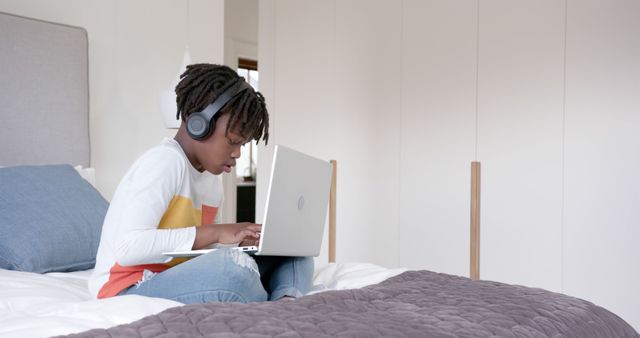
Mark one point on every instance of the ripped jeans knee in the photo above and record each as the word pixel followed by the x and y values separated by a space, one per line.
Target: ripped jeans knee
pixel 244 260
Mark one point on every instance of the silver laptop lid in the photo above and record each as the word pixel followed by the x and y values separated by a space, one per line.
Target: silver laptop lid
pixel 296 206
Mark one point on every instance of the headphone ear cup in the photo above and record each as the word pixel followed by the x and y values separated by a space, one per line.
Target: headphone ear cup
pixel 200 124
pixel 198 127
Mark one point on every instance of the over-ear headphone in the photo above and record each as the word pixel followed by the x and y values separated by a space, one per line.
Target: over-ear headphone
pixel 201 124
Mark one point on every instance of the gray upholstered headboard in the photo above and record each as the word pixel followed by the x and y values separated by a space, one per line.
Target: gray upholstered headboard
pixel 44 93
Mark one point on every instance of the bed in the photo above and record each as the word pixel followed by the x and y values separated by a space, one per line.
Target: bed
pixel 57 303
pixel 50 220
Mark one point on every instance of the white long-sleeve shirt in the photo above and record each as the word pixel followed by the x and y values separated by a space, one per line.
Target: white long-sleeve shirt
pixel 155 209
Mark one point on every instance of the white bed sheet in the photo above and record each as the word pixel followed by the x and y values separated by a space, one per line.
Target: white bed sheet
pixel 44 305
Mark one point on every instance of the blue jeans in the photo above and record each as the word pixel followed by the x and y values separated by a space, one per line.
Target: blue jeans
pixel 229 276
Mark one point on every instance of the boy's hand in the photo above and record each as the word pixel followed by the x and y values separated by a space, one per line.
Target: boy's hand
pixel 237 232
pixel 244 233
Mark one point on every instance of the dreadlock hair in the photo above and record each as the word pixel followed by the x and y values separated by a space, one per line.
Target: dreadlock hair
pixel 202 83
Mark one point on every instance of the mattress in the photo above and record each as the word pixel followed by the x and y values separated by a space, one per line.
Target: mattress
pixel 45 305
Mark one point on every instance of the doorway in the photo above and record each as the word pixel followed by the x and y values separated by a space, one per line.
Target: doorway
pixel 241 54
pixel 247 164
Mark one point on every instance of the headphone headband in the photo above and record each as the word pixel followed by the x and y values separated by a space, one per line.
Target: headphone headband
pixel 227 95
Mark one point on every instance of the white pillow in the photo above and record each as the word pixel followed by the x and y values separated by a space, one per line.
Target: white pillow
pixel 89 174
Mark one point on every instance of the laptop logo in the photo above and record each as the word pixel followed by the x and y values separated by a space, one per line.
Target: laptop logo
pixel 300 203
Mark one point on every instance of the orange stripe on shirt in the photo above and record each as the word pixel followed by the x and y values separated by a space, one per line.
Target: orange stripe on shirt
pixel 208 214
pixel 122 277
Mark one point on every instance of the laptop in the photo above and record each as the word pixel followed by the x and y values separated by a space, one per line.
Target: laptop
pixel 296 207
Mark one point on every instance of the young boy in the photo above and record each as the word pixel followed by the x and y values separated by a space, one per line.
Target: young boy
pixel 169 198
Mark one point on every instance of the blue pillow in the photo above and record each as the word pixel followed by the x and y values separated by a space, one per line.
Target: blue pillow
pixel 50 219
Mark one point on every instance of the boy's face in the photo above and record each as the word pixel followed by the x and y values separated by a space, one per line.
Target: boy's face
pixel 218 152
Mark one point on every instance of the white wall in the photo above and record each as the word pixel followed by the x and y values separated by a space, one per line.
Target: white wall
pixel 406 94
pixel 135 51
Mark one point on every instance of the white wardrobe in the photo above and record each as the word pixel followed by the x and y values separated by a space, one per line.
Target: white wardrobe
pixel 405 94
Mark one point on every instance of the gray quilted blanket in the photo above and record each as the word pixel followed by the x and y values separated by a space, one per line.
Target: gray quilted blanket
pixel 412 304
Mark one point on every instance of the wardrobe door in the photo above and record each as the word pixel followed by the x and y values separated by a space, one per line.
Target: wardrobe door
pixel 602 156
pixel 296 61
pixel 520 130
pixel 367 95
pixel 437 134
pixel 335 94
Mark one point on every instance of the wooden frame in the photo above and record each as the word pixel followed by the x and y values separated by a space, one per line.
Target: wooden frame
pixel 247 64
pixel 332 212
pixel 474 262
